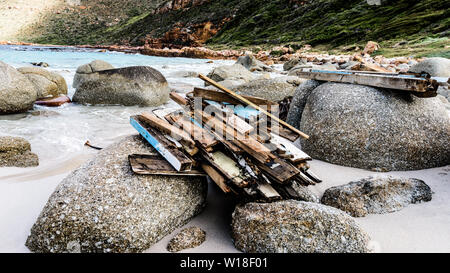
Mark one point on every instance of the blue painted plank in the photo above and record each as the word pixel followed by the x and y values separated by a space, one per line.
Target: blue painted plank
pixel 155 143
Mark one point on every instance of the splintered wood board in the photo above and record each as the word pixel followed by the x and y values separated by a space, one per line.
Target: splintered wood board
pixel 220 96
pixel 167 149
pixel 151 164
pixel 290 148
pixel 216 177
pixel 206 139
pixel 163 112
pixel 229 167
pixel 279 170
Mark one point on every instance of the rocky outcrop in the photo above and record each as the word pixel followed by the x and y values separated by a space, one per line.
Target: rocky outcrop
pixel 295 227
pixel 187 238
pixel 377 195
pixel 231 72
pixel 174 5
pixel 271 89
pixel 299 101
pixel 137 85
pixel 369 128
pixel 436 67
pixel 16 152
pixel 104 207
pixel 251 63
pixel 17 93
pixel 47 84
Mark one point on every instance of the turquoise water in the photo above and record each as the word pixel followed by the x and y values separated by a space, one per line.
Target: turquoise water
pixel 58 134
pixel 68 58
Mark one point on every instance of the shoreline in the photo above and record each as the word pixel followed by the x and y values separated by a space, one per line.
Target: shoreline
pixel 185 52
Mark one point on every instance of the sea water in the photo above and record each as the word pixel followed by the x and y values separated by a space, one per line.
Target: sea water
pixel 58 134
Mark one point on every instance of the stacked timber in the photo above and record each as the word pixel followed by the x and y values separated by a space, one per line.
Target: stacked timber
pixel 246 151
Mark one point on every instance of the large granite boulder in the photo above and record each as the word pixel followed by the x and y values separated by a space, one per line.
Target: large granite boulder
pixel 370 128
pixel 47 84
pixel 104 207
pixel 436 67
pixel 136 85
pixel 235 72
pixel 16 152
pixel 17 93
pixel 274 89
pixel 296 227
pixel 251 63
pixel 299 101
pixel 377 195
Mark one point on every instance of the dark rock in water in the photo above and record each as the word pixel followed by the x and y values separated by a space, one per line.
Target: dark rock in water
pixel 377 195
pixel 41 64
pixel 296 227
pixel 104 207
pixel 188 238
pixel 251 63
pixel 47 84
pixel 17 93
pixel 369 128
pixel 270 89
pixel 16 152
pixel 136 85
pixel 436 67
pixel 299 101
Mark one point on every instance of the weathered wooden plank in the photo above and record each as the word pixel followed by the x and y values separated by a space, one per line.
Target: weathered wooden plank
pixel 167 149
pixel 411 84
pixel 266 190
pixel 289 148
pixel 247 143
pixel 247 102
pixel 178 99
pixel 167 128
pixel 219 96
pixel 279 170
pixel 216 177
pixel 148 164
pixel 162 113
pixel 205 138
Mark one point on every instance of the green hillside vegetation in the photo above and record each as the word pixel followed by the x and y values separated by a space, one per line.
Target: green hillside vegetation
pixel 421 27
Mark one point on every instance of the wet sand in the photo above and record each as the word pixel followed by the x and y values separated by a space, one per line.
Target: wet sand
pixel 423 227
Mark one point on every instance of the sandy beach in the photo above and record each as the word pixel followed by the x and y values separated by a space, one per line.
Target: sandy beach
pixel 417 228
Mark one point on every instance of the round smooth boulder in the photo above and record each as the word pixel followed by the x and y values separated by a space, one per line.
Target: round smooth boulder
pixel 230 72
pixel 377 195
pixel 375 129
pixel 436 67
pixel 296 227
pixel 251 63
pixel 16 152
pixel 17 93
pixel 136 85
pixel 47 84
pixel 275 89
pixel 104 207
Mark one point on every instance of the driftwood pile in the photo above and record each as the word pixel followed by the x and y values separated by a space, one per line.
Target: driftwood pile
pixel 246 151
